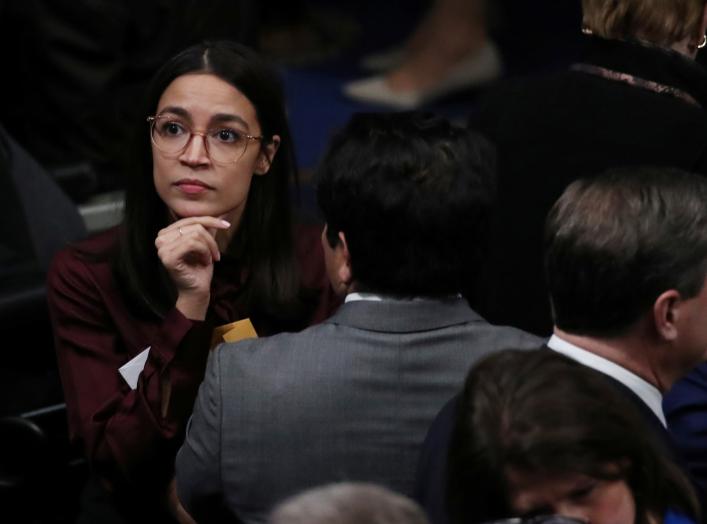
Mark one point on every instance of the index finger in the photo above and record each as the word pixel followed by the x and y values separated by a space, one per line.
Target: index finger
pixel 206 222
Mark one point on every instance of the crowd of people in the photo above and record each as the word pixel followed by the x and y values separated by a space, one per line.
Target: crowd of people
pixel 501 319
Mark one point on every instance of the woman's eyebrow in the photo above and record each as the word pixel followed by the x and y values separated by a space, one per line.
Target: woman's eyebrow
pixel 228 117
pixel 217 118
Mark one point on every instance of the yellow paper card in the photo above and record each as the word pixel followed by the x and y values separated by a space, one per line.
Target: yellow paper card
pixel 233 332
pixel 240 330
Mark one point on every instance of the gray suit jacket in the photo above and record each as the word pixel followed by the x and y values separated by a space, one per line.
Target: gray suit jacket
pixel 348 399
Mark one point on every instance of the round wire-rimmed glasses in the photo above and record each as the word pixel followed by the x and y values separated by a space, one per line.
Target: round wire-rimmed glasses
pixel 224 144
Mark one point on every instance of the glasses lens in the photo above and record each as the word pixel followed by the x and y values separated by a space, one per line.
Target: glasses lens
pixel 169 135
pixel 226 144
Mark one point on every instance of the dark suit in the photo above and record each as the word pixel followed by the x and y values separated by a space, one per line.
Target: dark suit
pixel 686 410
pixel 349 399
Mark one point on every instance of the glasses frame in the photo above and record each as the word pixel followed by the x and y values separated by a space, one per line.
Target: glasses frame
pixel 152 120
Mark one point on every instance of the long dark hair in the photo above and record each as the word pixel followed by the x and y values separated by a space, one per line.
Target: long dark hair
pixel 540 412
pixel 264 241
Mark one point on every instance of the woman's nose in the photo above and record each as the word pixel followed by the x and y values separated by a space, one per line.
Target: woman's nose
pixel 196 152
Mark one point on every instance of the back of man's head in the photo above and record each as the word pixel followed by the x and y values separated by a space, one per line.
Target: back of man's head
pixel 411 193
pixel 616 242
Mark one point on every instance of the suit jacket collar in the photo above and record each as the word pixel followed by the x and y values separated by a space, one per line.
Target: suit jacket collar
pixel 649 417
pixel 404 316
pixel 659 432
pixel 647 392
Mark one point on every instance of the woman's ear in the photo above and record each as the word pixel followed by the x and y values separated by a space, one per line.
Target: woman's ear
pixel 266 155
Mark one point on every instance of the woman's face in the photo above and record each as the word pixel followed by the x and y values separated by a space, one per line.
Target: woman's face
pixel 572 495
pixel 191 182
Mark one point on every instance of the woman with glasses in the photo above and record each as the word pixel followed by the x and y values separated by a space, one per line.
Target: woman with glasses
pixel 540 438
pixel 207 240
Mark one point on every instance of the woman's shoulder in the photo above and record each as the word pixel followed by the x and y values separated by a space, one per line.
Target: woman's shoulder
pixel 92 255
pixel 96 245
pixel 101 243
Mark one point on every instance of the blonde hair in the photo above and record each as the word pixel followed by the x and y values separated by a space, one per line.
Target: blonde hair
pixel 661 22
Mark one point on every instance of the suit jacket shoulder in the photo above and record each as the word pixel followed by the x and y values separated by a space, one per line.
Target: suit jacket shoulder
pixel 349 399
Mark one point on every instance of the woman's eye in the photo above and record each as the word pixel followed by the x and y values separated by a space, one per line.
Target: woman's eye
pixel 171 129
pixel 227 135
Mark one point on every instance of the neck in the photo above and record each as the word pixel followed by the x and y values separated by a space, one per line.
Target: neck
pixel 630 351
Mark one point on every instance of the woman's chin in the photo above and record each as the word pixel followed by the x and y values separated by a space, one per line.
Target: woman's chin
pixel 180 212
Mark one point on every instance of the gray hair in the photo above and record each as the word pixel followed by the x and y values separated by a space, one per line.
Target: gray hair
pixel 348 503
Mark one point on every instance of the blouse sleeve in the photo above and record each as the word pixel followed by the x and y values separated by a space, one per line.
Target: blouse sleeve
pixel 128 435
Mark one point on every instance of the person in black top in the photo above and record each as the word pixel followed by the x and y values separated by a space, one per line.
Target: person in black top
pixel 637 97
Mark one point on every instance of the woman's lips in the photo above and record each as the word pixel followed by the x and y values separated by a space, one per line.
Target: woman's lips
pixel 191 186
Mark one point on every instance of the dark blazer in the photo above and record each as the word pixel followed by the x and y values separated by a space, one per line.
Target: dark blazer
pixel 685 408
pixel 552 130
pixel 349 399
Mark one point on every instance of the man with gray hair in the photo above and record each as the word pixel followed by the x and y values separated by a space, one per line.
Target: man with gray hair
pixel 626 266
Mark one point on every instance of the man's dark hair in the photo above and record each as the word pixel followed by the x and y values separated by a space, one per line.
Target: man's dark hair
pixel 614 243
pixel 411 192
pixel 541 413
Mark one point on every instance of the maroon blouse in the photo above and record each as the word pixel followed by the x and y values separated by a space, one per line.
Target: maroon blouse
pixel 123 432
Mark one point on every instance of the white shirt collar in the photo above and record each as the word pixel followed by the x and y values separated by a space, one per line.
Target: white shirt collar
pixel 646 391
pixel 369 297
pixel 373 297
